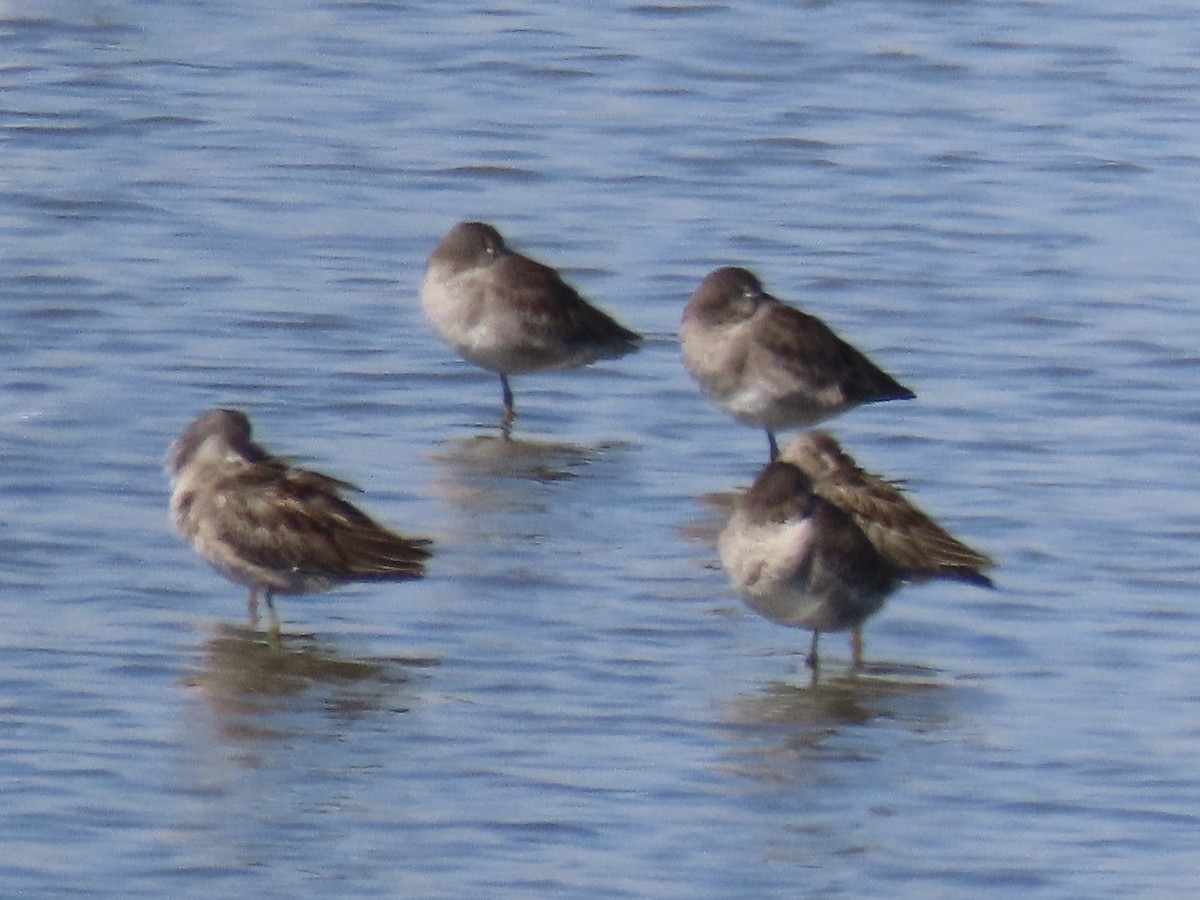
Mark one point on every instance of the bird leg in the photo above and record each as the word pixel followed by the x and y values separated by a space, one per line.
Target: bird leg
pixel 509 412
pixel 252 608
pixel 856 647
pixel 812 661
pixel 773 445
pixel 273 626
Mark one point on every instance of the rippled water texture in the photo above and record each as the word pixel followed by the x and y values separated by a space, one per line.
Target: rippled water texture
pixel 206 203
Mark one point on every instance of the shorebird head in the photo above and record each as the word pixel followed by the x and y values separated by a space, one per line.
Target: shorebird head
pixel 816 453
pixel 217 433
pixel 469 245
pixel 780 493
pixel 726 295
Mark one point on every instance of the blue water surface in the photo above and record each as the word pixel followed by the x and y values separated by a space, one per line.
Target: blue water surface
pixel 231 204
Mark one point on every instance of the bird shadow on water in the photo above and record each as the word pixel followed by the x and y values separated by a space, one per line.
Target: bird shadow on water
pixel 259 686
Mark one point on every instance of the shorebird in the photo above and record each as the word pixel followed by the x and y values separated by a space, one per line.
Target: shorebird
pixel 769 365
pixel 271 526
pixel 817 543
pixel 511 315
pixel 896 527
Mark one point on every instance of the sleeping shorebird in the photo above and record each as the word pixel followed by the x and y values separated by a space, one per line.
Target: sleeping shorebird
pixel 770 365
pixel 818 543
pixel 271 526
pixel 508 314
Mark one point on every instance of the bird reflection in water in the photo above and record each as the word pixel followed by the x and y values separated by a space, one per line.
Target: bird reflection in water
pixel 253 683
pixel 489 474
pixel 787 721
pixel 492 455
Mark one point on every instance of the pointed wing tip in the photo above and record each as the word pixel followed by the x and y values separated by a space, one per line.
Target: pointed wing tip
pixel 982 581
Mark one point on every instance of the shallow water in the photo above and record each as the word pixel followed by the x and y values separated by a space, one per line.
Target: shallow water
pixel 208 205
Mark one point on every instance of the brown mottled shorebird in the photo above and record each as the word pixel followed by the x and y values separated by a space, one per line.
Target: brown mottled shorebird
pixel 769 365
pixel 271 526
pixel 817 543
pixel 511 315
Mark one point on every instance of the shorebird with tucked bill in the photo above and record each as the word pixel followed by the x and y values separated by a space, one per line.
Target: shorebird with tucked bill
pixel 818 543
pixel 511 315
pixel 769 365
pixel 896 527
pixel 271 526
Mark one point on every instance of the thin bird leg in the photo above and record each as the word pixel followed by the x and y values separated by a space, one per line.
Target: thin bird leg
pixel 856 647
pixel 811 660
pixel 773 445
pixel 273 627
pixel 252 607
pixel 509 412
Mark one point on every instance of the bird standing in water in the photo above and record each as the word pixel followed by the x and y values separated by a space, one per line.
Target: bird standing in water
pixel 274 527
pixel 770 365
pixel 511 315
pixel 818 543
